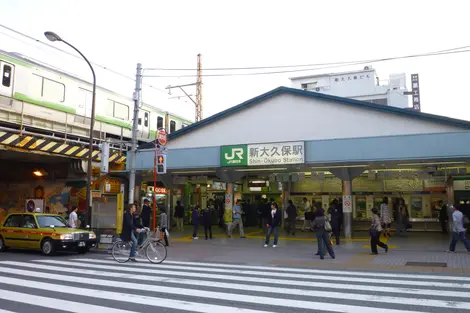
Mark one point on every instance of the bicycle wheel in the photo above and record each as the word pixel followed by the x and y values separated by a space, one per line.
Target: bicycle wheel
pixel 121 251
pixel 156 252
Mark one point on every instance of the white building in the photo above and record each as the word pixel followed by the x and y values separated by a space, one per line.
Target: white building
pixel 361 85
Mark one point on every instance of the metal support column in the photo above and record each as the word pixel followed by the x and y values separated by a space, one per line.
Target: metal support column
pixel 347 208
pixel 135 126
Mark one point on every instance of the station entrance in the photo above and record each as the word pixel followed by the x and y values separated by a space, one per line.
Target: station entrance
pixel 423 187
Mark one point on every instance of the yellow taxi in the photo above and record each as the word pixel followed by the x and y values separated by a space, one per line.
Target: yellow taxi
pixel 47 232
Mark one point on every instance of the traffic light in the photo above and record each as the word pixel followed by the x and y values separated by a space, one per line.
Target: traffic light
pixel 161 164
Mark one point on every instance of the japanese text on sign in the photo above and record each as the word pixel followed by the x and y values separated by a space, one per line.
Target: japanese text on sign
pixel 416 101
pixel 277 153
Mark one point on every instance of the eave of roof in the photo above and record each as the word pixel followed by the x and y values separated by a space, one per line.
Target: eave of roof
pixel 315 95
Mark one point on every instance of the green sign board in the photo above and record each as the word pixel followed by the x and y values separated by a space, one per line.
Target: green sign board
pixel 263 154
pixel 234 155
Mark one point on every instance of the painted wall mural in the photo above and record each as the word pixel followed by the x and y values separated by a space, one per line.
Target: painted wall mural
pixel 58 197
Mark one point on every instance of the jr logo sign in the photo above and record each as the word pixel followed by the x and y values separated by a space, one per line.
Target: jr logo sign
pixel 234 156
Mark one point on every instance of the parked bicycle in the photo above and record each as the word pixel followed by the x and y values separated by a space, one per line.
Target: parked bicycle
pixel 152 248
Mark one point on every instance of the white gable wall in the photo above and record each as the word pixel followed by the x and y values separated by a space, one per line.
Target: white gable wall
pixel 289 118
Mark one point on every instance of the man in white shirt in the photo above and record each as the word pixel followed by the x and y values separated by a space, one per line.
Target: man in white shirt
pixel 458 230
pixel 73 217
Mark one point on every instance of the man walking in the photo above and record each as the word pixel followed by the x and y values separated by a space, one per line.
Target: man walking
pixel 458 230
pixel 179 216
pixel 237 220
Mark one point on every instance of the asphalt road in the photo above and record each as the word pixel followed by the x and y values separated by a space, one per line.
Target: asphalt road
pixel 94 283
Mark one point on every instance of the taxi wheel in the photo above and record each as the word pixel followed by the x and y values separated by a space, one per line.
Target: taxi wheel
pixel 2 244
pixel 47 247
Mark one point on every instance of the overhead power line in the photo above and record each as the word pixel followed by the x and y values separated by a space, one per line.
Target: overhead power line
pixel 338 64
pixel 291 66
pixel 68 53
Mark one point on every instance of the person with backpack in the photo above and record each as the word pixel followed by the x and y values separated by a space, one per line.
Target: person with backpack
pixel 458 229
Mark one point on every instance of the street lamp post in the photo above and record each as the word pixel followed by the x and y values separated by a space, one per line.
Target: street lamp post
pixel 54 37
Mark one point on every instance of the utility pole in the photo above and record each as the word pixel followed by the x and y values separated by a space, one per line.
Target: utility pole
pixel 198 84
pixel 199 90
pixel 135 125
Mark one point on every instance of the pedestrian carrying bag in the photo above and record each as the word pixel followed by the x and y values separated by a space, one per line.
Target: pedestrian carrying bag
pixel 327 225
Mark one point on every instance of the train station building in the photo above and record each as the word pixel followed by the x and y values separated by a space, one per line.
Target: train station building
pixel 290 144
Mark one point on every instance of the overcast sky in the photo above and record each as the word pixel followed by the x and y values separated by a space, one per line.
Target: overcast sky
pixel 170 34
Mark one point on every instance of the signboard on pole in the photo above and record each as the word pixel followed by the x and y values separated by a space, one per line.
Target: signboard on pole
pixel 263 154
pixel 415 92
pixel 347 204
pixel 162 136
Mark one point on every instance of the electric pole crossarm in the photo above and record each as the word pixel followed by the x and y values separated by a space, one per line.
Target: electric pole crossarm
pixel 188 96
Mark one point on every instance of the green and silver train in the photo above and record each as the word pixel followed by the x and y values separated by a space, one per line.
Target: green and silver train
pixel 38 97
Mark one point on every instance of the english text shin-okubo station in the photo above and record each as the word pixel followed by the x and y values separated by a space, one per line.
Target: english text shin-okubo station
pixel 291 144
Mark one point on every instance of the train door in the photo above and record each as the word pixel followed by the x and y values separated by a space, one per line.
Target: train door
pixel 7 72
pixel 144 124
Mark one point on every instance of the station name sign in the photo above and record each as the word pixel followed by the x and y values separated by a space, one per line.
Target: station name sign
pixel 263 154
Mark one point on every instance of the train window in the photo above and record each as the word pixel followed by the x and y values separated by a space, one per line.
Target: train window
pixel 53 91
pixel 172 126
pixel 159 122
pixel 6 77
pixel 146 119
pixel 121 111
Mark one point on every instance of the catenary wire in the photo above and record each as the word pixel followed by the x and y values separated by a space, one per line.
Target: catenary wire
pixel 343 63
pixel 311 69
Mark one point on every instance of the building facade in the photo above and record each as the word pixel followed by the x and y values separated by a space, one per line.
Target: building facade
pixel 290 143
pixel 362 85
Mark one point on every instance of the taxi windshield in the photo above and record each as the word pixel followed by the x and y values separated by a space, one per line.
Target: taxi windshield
pixel 48 221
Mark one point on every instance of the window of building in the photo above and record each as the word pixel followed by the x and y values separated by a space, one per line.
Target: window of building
pixel 159 122
pixel 379 101
pixel 6 77
pixel 309 86
pixel 121 111
pixel 53 91
pixel 172 126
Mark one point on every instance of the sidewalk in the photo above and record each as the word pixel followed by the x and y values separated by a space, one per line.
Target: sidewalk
pixel 426 248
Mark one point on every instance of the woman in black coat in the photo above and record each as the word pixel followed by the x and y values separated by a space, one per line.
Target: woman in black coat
pixel 207 220
pixel 336 218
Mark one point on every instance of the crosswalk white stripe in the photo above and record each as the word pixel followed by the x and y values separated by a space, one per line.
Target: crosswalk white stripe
pixel 266 281
pixel 5 311
pixel 131 267
pixel 231 286
pixel 161 302
pixel 129 298
pixel 311 270
pixel 52 303
pixel 265 271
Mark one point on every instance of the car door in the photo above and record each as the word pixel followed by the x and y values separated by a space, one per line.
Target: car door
pixel 30 231
pixel 12 231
